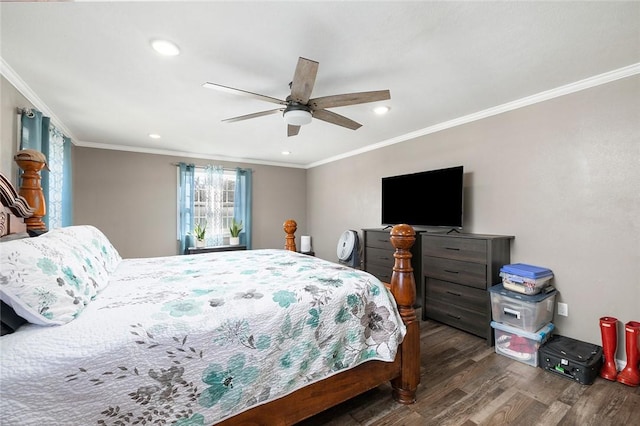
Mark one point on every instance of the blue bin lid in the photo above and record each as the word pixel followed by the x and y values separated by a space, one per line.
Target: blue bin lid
pixel 527 271
pixel 530 298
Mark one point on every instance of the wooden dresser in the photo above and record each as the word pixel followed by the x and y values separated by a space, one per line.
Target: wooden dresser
pixel 379 260
pixel 457 271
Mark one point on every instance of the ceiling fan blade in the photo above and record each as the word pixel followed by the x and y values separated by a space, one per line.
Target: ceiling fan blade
pixel 333 118
pixel 254 115
pixel 233 91
pixel 303 80
pixel 349 99
pixel 292 130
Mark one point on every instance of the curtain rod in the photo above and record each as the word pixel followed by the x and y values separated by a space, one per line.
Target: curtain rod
pixel 27 111
pixel 224 168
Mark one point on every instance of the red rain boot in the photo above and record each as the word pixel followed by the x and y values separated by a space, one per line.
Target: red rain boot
pixel 609 331
pixel 630 375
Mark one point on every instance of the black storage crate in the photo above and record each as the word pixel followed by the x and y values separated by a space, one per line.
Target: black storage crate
pixel 571 358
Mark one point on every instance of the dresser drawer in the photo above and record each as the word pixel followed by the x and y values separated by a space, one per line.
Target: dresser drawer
pixel 383 273
pixel 466 249
pixel 455 294
pixel 456 316
pixel 380 256
pixel 379 239
pixel 471 274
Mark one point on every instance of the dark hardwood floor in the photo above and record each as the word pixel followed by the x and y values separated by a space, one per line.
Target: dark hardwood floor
pixel 464 382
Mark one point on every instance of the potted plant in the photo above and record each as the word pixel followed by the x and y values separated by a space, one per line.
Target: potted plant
pixel 234 230
pixel 199 232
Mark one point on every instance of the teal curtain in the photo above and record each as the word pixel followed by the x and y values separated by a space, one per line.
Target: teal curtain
pixel 39 134
pixel 45 175
pixel 186 187
pixel 243 203
pixel 31 132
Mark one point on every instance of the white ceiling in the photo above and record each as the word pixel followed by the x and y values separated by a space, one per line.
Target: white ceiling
pixel 90 66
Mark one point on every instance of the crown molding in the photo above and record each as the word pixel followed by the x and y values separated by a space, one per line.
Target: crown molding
pixel 567 89
pixel 184 154
pixel 32 97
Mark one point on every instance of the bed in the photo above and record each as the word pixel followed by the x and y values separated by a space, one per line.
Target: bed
pixel 267 337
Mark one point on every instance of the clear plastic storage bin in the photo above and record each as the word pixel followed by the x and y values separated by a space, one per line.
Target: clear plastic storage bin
pixel 524 278
pixel 519 344
pixel 515 283
pixel 526 312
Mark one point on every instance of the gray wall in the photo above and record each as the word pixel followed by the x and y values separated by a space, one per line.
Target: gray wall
pixel 562 176
pixel 132 198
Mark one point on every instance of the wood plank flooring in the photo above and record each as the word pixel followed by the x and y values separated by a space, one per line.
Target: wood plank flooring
pixel 464 382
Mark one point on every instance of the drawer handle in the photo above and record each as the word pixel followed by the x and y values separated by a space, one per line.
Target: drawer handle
pixel 453 316
pixel 452 248
pixel 383 241
pixel 454 294
pixel 451 272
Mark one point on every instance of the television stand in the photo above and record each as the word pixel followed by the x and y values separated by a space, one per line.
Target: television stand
pixel 453 230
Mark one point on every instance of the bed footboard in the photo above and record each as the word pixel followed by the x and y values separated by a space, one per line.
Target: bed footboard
pixel 403 373
pixel 403 288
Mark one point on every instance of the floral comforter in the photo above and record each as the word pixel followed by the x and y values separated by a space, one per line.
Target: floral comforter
pixel 192 340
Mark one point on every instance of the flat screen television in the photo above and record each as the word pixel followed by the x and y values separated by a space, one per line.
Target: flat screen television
pixel 432 198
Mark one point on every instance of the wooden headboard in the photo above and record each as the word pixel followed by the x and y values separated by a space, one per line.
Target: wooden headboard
pixel 14 209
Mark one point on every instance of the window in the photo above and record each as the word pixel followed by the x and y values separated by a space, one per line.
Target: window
pixel 213 196
pixel 200 196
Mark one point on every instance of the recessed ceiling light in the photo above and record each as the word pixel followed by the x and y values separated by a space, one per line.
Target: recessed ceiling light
pixel 154 136
pixel 380 110
pixel 286 152
pixel 165 47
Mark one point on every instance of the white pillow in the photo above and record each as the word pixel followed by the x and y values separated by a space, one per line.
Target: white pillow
pixel 48 280
pixel 98 252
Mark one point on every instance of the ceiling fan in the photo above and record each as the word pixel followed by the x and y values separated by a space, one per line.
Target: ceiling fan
pixel 298 108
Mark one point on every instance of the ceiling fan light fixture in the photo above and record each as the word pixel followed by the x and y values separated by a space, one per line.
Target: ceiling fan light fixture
pixel 297 117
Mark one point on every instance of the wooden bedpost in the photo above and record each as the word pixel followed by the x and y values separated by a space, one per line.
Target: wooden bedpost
pixel 32 162
pixel 290 226
pixel 403 287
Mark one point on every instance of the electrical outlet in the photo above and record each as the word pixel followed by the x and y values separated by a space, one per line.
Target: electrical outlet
pixel 563 309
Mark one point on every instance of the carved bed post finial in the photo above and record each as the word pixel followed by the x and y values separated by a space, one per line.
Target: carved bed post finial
pixel 403 287
pixel 290 226
pixel 31 162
